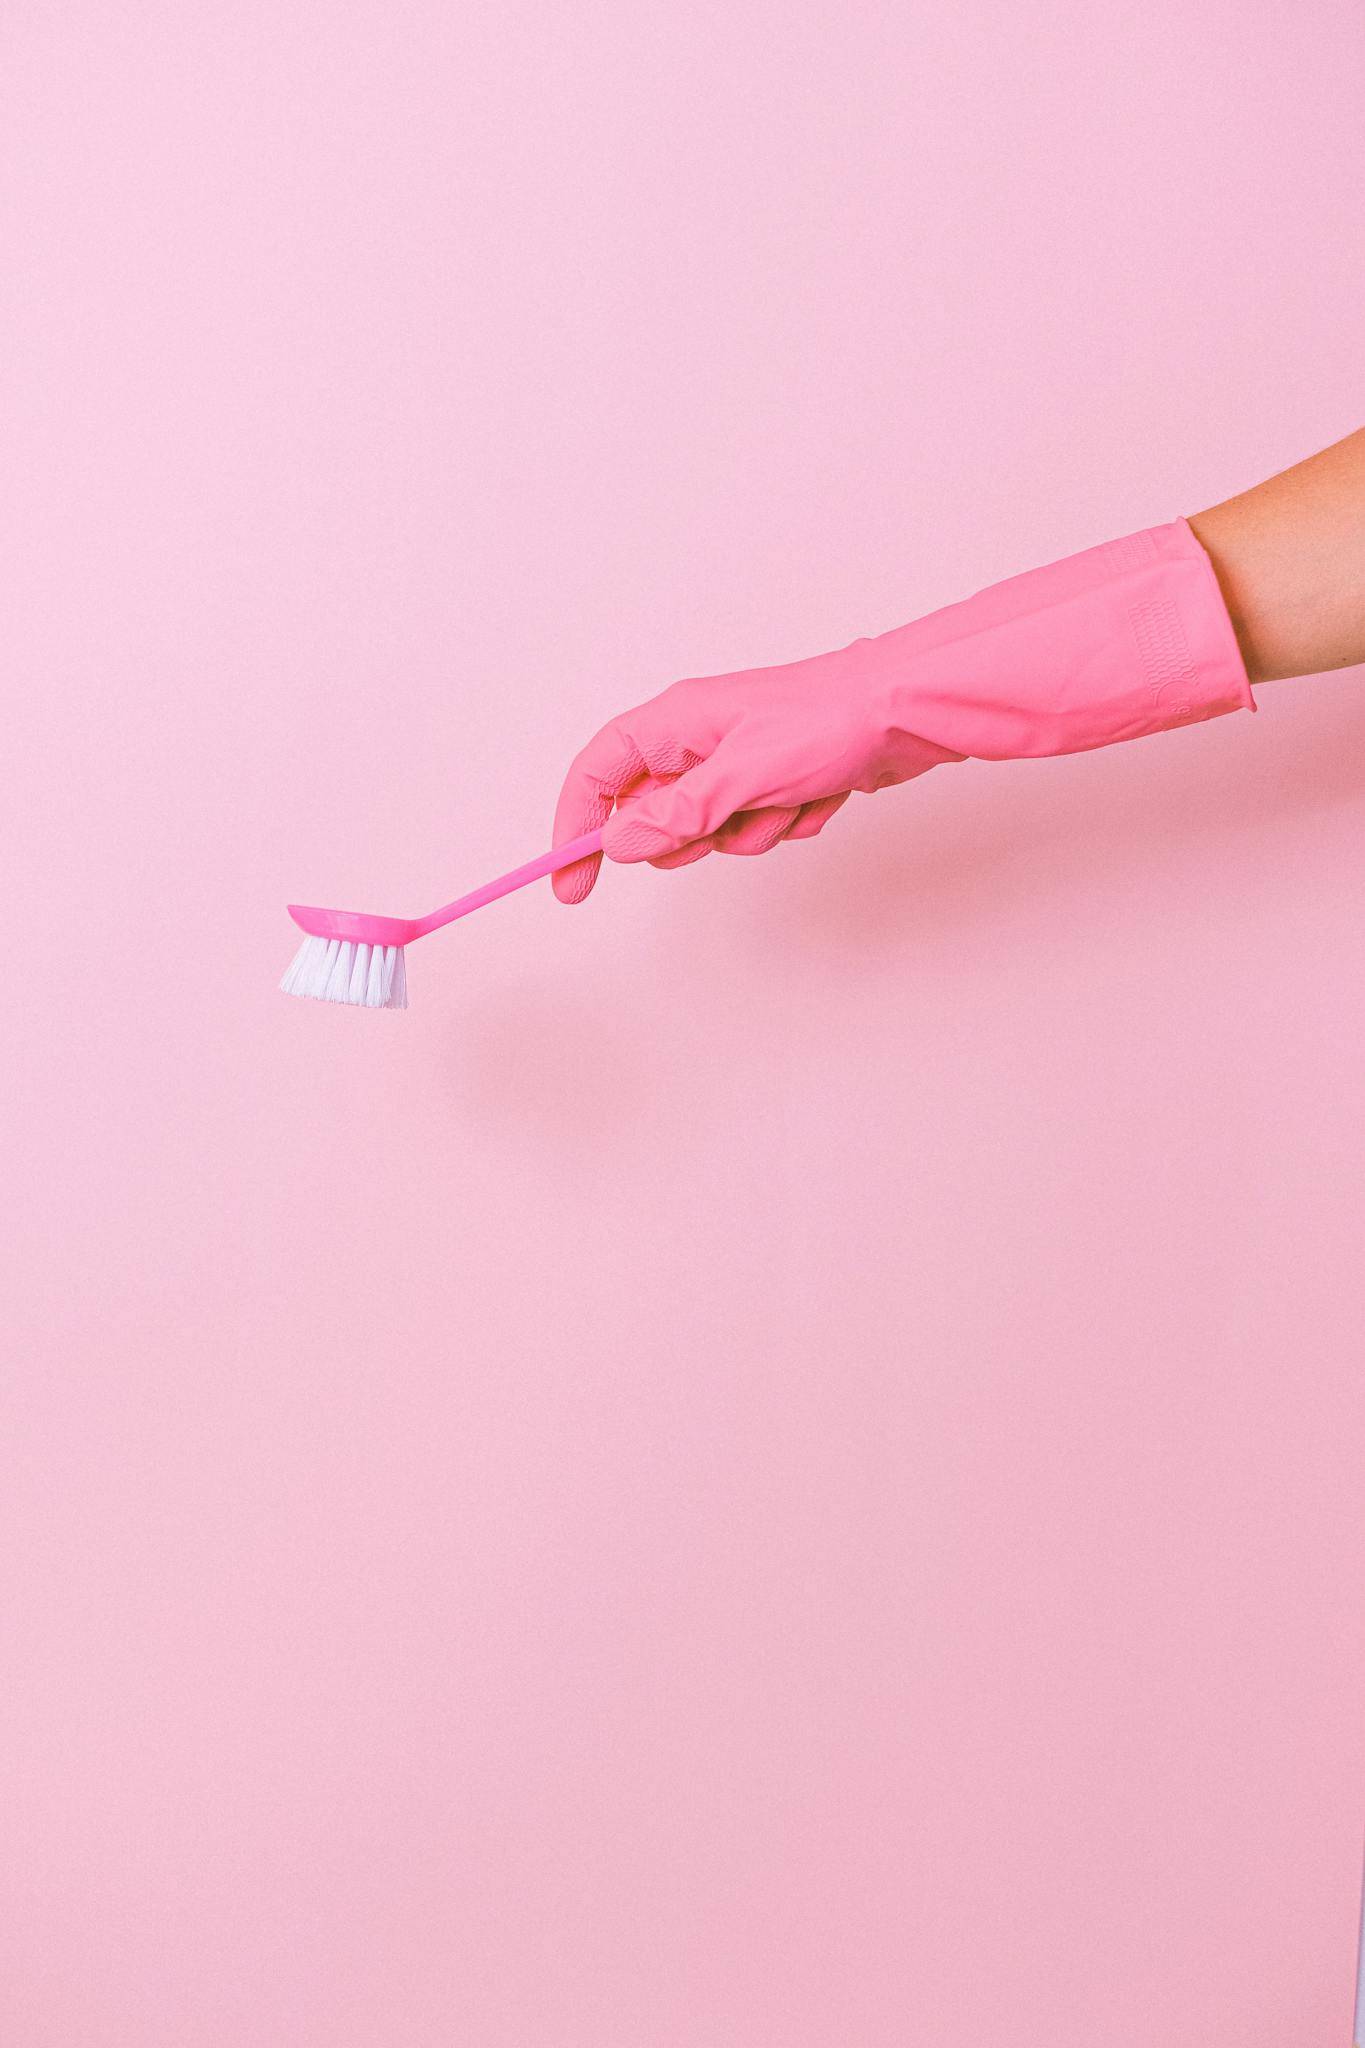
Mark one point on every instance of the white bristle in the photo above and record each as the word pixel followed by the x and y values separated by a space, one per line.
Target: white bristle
pixel 338 984
pixel 343 971
pixel 374 985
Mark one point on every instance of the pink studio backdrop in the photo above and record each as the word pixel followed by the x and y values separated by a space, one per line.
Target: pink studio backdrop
pixel 779 1462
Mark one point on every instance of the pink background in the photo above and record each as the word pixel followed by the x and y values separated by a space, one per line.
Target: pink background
pixel 779 1463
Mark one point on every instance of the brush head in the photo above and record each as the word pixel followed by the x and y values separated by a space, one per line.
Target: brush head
pixel 348 971
pixel 357 925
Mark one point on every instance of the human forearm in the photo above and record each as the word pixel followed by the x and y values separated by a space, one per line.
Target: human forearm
pixel 1157 629
pixel 1290 558
pixel 1125 639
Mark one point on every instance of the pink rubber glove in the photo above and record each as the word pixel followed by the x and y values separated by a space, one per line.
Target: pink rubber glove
pixel 1110 644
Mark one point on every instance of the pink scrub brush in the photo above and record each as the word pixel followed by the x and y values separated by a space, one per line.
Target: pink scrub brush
pixel 348 957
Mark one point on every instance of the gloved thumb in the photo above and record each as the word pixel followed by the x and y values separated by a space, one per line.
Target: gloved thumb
pixel 670 817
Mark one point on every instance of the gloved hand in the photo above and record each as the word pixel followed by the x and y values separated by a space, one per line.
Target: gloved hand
pixel 1116 642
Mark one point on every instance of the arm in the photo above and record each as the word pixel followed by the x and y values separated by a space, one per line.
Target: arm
pixel 1143 634
pixel 1290 557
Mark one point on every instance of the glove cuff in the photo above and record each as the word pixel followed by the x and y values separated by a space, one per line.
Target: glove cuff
pixel 1188 651
pixel 1119 641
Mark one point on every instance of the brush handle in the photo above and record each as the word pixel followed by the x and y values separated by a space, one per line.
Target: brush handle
pixel 547 864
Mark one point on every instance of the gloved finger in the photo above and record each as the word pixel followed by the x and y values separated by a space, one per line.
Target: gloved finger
pixel 641 786
pixel 814 817
pixel 750 832
pixel 685 854
pixel 696 849
pixel 628 757
pixel 697 804
pixel 608 764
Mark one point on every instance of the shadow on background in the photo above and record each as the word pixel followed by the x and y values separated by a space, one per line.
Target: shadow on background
pixel 988 838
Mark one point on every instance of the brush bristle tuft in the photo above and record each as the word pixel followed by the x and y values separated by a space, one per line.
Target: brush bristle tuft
pixel 346 971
